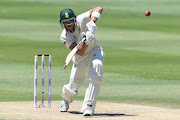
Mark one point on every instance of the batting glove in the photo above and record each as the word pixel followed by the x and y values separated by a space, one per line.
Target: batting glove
pixel 91 26
pixel 89 37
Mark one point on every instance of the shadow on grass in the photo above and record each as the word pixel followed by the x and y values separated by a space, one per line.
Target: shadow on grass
pixel 102 114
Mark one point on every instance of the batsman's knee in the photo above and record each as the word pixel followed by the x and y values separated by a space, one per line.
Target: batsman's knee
pixel 96 70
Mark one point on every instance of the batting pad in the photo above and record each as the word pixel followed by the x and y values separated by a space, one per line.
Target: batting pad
pixel 68 94
pixel 91 95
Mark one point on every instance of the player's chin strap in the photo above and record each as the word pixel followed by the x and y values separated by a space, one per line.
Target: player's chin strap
pixel 91 95
pixel 62 25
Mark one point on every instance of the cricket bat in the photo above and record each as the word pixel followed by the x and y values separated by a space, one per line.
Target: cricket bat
pixel 73 52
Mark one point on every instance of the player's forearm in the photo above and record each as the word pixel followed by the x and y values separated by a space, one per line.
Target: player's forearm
pixel 97 9
pixel 82 50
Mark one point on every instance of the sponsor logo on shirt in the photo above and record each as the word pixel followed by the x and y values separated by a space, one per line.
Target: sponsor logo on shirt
pixel 74 38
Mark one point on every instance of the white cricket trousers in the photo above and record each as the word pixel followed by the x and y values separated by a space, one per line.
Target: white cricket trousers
pixel 95 63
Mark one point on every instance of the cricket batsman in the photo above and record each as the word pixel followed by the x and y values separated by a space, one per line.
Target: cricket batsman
pixel 90 56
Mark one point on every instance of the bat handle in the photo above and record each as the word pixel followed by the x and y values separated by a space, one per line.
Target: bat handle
pixel 64 67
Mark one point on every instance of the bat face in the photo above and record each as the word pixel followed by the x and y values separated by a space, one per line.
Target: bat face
pixel 69 57
pixel 73 52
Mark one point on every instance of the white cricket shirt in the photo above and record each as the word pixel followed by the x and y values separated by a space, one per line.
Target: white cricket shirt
pixel 68 38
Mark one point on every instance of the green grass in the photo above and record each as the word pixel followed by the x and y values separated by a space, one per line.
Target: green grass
pixel 142 57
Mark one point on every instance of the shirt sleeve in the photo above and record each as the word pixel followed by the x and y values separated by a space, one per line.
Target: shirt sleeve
pixel 66 40
pixel 84 17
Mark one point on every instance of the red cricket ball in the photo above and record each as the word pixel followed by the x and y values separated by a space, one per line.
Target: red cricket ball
pixel 147 13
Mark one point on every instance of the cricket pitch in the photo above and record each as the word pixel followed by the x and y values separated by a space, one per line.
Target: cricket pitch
pixel 104 111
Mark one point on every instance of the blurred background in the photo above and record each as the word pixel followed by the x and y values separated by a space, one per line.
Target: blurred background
pixel 142 62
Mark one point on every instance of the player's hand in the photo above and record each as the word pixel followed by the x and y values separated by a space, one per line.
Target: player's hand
pixel 91 26
pixel 83 34
pixel 89 37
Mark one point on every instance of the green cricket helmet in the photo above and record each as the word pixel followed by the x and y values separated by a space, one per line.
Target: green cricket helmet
pixel 65 16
